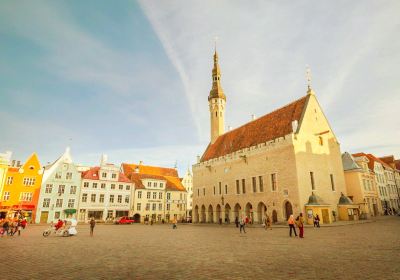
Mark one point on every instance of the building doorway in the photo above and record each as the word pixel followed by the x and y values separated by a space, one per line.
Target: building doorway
pixel 97 215
pixel 288 209
pixel 210 214
pixel 274 216
pixel 261 210
pixel 136 217
pixel 237 211
pixel 325 216
pixel 203 214
pixel 249 212
pixel 227 213
pixel 218 212
pixel 44 215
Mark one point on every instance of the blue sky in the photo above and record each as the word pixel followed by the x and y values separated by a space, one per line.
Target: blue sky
pixel 131 79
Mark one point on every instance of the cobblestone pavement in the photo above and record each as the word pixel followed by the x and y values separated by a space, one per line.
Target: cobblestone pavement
pixel 360 251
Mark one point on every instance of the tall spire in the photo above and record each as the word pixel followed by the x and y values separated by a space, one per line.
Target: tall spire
pixel 216 90
pixel 216 101
pixel 308 77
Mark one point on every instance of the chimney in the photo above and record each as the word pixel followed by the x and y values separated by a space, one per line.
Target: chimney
pixel 229 128
pixel 13 163
pixel 140 162
pixel 18 163
pixel 253 117
pixel 137 169
pixel 198 159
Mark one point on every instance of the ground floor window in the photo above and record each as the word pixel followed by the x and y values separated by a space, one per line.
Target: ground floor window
pixel 97 215
pixel 56 215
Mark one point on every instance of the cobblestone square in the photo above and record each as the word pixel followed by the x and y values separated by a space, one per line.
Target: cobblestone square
pixel 360 251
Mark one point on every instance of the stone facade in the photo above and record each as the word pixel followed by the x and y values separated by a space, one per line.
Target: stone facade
pixel 272 166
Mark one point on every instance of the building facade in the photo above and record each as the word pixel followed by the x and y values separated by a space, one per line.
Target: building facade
pixel 382 173
pixel 60 190
pixel 394 181
pixel 21 190
pixel 106 193
pixel 361 186
pixel 5 159
pixel 159 193
pixel 285 162
pixel 187 182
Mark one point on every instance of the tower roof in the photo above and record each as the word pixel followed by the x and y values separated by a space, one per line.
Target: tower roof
pixel 216 90
pixel 271 126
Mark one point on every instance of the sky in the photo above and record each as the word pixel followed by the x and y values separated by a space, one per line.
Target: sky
pixel 130 79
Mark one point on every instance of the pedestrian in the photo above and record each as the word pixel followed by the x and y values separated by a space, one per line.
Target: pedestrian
pixel 237 221
pixel 92 225
pixel 6 227
pixel 300 225
pixel 247 220
pixel 242 225
pixel 317 220
pixel 19 227
pixel 268 223
pixel 174 224
pixel 23 223
pixel 291 223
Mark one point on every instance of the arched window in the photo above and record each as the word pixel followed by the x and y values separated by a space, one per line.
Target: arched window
pixel 216 114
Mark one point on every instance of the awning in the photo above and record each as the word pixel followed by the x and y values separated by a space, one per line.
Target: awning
pixel 69 211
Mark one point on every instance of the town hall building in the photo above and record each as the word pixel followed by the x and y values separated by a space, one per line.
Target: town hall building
pixel 287 161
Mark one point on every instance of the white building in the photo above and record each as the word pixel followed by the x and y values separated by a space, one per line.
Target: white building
pixel 106 193
pixel 159 193
pixel 59 193
pixel 187 182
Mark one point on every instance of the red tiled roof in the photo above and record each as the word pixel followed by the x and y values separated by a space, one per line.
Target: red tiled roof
pixel 372 160
pixel 397 163
pixel 266 128
pixel 170 175
pixel 93 174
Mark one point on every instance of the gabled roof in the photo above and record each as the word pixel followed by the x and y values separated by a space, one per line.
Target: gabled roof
pixel 170 175
pixel 266 128
pixel 372 160
pixel 349 163
pixel 93 174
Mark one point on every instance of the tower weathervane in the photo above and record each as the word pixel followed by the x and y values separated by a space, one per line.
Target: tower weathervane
pixel 308 76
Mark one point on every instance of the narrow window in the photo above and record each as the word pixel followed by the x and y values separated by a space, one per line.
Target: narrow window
pixel 214 190
pixel 312 180
pixel 273 182
pixel 226 189
pixel 332 183
pixel 254 179
pixel 261 183
pixel 220 188
pixel 243 185
pixel 237 187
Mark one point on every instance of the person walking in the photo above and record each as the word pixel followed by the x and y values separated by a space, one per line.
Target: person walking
pixel 237 221
pixel 291 223
pixel 174 224
pixel 92 225
pixel 268 223
pixel 242 225
pixel 316 221
pixel 6 227
pixel 300 224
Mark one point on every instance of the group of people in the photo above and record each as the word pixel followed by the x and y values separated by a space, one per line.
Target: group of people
pixel 12 226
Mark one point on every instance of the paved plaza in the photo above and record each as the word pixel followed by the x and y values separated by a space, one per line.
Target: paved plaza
pixel 360 251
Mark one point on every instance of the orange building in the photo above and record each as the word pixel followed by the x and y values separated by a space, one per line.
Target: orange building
pixel 21 189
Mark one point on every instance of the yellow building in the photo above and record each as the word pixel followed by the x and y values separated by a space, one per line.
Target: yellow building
pixel 276 164
pixel 21 189
pixel 360 185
